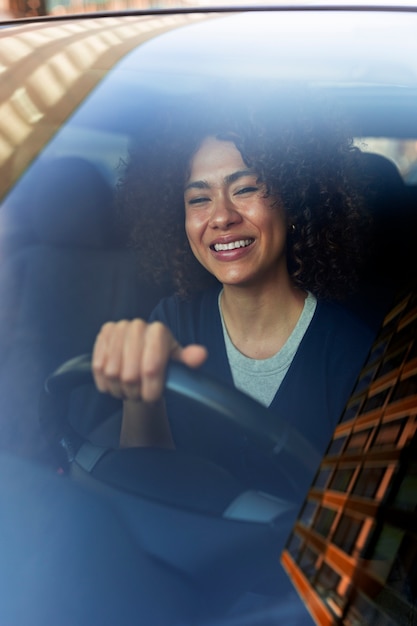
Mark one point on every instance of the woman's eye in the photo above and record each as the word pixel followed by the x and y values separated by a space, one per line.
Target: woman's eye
pixel 248 189
pixel 199 200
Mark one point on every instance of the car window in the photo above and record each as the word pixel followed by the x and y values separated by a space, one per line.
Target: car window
pixel 402 151
pixel 295 501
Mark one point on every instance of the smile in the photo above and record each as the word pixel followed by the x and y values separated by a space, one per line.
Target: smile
pixel 242 243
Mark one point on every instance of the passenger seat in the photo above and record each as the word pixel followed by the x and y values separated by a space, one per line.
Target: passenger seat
pixel 391 246
pixel 56 291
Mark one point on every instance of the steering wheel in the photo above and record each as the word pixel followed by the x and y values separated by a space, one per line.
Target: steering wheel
pixel 189 513
pixel 269 434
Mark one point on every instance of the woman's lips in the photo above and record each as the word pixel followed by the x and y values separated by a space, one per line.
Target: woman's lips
pixel 231 245
pixel 231 250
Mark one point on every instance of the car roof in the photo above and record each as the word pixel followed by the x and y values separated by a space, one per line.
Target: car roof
pixel 50 66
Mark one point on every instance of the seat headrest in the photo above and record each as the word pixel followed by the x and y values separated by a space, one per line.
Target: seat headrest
pixel 382 179
pixel 71 204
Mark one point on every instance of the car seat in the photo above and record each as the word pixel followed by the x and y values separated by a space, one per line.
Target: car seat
pixel 390 245
pixel 74 274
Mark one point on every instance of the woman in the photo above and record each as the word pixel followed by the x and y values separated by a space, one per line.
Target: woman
pixel 273 213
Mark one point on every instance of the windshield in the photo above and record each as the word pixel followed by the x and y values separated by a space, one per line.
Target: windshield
pixel 207 278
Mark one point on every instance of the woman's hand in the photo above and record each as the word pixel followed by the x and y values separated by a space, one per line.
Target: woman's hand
pixel 130 359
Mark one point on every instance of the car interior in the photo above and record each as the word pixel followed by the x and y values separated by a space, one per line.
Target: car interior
pixel 201 540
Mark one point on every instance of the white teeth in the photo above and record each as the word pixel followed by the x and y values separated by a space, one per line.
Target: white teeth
pixel 232 245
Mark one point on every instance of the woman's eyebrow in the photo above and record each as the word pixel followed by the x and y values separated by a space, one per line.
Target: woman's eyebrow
pixel 229 179
pixel 232 178
pixel 197 184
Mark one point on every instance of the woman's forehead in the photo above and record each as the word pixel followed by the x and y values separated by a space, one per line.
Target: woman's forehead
pixel 215 157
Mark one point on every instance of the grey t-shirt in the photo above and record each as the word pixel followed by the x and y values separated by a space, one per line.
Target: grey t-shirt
pixel 261 378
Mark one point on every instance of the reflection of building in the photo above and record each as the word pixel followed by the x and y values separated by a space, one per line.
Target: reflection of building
pixel 43 79
pixel 352 554
pixel 34 8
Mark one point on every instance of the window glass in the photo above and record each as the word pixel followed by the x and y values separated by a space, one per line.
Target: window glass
pixel 368 482
pixel 406 497
pixel 336 445
pixel 101 129
pixel 386 547
pixel 342 479
pixel 378 351
pixel 323 477
pixel 351 410
pixel 307 562
pixel 365 380
pixel 104 148
pixel 402 152
pixel 358 440
pixel 327 581
pixel 377 401
pixel 388 434
pixel 406 388
pixel 346 533
pixel 324 521
pixel 392 361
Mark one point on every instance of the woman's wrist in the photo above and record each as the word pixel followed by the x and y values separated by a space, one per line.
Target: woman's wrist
pixel 145 425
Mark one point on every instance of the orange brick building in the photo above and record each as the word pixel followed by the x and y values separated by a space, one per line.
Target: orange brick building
pixel 352 554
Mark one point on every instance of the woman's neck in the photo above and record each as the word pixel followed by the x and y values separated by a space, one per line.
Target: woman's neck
pixel 259 320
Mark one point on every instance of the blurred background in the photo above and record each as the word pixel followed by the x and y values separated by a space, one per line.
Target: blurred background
pixel 11 9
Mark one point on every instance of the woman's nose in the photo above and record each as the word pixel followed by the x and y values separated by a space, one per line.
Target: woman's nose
pixel 224 214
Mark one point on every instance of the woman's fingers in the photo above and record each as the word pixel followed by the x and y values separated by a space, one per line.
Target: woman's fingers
pixel 157 344
pixel 130 359
pixel 131 364
pixel 103 359
pixel 115 362
pixel 117 358
pixel 193 355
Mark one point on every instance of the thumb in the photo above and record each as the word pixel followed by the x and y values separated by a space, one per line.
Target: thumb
pixel 193 355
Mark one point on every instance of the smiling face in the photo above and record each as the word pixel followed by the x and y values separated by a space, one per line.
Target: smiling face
pixel 235 230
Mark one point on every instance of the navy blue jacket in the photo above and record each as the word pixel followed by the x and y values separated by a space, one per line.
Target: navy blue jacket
pixel 314 391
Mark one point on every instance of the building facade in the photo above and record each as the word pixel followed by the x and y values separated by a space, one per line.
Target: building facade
pixel 352 554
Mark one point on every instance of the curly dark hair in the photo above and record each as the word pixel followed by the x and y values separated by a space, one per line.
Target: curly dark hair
pixel 307 160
